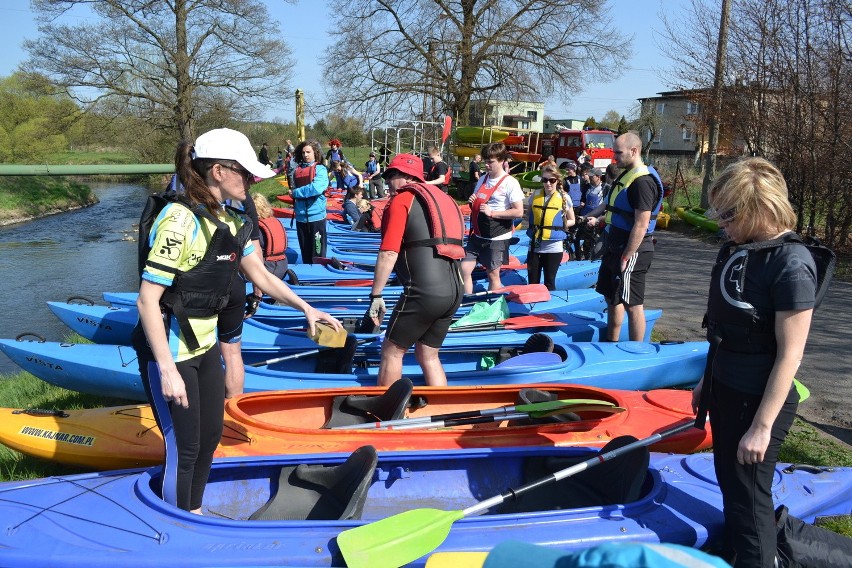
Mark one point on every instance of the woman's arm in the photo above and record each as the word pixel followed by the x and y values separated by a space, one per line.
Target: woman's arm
pixel 148 304
pixel 791 333
pixel 257 273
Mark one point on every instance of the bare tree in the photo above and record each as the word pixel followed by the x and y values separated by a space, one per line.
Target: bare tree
pixel 788 95
pixel 404 57
pixel 163 59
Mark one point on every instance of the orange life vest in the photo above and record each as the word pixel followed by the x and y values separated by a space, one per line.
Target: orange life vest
pixel 275 239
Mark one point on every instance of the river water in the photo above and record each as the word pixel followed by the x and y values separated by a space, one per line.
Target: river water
pixel 78 253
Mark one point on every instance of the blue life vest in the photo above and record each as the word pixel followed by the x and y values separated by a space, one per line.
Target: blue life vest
pixel 574 190
pixel 619 212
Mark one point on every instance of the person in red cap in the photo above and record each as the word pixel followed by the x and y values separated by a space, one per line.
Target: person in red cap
pixel 422 237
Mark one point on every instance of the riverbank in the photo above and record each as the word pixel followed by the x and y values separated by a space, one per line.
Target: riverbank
pixel 24 198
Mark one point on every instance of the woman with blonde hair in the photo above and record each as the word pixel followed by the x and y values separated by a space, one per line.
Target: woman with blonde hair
pixel 550 214
pixel 273 237
pixel 762 295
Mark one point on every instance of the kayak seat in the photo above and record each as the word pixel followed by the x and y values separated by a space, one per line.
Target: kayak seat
pixel 530 360
pixel 321 493
pixel 532 396
pixel 353 409
pixel 619 480
pixel 338 360
pixel 535 343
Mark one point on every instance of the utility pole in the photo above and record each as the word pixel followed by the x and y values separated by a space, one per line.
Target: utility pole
pixel 300 115
pixel 716 110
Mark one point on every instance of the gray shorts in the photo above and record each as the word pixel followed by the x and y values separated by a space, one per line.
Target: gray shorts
pixel 489 253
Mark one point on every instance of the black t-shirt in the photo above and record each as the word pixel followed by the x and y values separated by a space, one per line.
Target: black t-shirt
pixel 777 279
pixel 438 170
pixel 642 195
pixel 251 213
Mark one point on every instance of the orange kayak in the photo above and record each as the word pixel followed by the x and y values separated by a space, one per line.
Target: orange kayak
pixel 287 422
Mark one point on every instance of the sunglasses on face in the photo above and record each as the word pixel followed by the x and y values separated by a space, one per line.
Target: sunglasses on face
pixel 549 180
pixel 244 173
pixel 727 216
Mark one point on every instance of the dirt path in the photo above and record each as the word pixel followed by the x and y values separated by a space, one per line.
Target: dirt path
pixel 678 283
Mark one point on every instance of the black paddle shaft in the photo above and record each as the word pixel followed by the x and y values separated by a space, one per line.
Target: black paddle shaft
pixel 582 466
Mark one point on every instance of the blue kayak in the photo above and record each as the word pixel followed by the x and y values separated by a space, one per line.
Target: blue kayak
pixel 571 276
pixel 112 325
pixel 112 370
pixel 284 316
pixel 117 518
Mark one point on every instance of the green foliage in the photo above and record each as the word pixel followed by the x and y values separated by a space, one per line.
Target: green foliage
pixel 350 131
pixel 622 125
pixel 30 196
pixel 34 119
pixel 609 120
pixel 591 122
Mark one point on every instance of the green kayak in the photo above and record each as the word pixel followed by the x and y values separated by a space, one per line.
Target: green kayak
pixel 695 216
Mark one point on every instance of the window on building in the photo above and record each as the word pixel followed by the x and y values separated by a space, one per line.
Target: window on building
pixel 658 136
pixel 661 108
pixel 687 135
pixel 691 108
pixel 532 114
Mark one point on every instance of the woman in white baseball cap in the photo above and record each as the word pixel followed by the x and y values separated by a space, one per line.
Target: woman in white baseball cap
pixel 194 248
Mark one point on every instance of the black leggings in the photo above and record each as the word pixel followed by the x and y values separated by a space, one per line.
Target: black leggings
pixel 747 489
pixel 198 428
pixel 549 262
pixel 307 233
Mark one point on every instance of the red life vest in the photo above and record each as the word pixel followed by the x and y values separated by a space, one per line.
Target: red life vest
pixel 274 238
pixel 304 175
pixel 489 227
pixel 446 223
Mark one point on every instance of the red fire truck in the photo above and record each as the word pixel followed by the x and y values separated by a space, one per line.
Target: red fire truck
pixel 567 145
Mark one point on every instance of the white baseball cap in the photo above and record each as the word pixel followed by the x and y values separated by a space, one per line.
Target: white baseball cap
pixel 227 144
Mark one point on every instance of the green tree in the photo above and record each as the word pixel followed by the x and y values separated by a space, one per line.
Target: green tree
pixel 164 61
pixel 34 117
pixel 590 123
pixel 622 125
pixel 609 120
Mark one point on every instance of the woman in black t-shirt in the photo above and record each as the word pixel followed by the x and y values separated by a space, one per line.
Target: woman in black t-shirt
pixel 759 309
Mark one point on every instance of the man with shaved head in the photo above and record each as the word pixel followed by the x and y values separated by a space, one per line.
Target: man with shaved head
pixel 632 206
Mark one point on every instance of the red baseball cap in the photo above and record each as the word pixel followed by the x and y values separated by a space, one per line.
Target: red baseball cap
pixel 407 164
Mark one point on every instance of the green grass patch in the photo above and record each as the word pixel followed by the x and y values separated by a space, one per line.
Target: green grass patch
pixel 31 196
pixel 89 157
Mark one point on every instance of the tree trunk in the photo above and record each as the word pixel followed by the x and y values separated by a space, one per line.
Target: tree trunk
pixel 183 101
pixel 716 111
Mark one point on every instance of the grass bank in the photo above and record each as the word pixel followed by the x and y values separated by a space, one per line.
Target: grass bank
pixel 26 197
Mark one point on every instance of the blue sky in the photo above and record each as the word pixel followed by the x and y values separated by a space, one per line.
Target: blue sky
pixel 645 65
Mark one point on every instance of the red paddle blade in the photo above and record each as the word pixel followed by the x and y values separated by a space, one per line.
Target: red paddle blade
pixel 448 126
pixel 525 322
pixel 354 282
pixel 526 293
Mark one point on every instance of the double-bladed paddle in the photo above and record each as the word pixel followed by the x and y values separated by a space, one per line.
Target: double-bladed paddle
pixel 532 410
pixel 400 539
pixel 301 354
pixel 515 322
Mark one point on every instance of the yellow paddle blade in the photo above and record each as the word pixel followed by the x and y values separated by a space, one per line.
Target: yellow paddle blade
pixel 804 392
pixel 397 540
pixel 456 560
